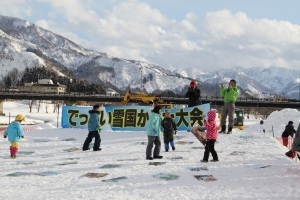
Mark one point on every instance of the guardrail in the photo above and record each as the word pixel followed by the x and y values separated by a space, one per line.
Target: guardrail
pixel 75 96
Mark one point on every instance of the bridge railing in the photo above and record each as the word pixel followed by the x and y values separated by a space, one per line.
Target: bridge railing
pixel 218 98
pixel 59 93
pixel 203 98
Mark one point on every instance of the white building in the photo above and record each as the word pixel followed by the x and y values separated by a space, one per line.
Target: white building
pixel 43 86
pixel 111 92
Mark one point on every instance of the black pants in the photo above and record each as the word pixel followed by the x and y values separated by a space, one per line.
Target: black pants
pixel 156 141
pixel 210 148
pixel 88 140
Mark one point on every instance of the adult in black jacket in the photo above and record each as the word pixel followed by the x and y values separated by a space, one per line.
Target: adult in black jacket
pixel 193 94
pixel 289 131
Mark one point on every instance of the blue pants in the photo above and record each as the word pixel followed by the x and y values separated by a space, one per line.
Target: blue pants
pixel 167 145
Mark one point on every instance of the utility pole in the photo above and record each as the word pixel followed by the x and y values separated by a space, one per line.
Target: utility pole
pixel 216 77
pixel 142 86
pixel 299 86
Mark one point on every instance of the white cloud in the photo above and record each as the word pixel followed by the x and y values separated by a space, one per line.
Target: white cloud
pixel 134 30
pixel 17 8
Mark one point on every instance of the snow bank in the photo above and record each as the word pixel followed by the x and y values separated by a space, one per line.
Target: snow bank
pixel 278 120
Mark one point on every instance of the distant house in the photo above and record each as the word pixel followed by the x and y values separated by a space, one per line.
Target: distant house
pixel 111 92
pixel 43 86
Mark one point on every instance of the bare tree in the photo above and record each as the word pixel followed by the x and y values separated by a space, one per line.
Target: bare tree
pixel 31 103
pixel 38 105
pixel 14 75
pixel 46 107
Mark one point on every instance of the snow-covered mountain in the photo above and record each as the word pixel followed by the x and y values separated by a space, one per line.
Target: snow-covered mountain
pixel 256 81
pixel 23 44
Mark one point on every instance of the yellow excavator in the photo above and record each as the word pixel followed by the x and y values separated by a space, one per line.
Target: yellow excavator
pixel 144 99
pixel 238 119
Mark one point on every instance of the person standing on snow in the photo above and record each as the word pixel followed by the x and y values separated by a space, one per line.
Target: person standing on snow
pixel 170 129
pixel 193 94
pixel 14 132
pixel 295 146
pixel 289 131
pixel 153 132
pixel 211 137
pixel 94 130
pixel 230 95
pixel 261 127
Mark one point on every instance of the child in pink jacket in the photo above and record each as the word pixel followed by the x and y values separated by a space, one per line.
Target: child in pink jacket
pixel 211 137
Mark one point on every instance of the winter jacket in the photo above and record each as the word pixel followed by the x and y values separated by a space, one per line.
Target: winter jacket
pixel 211 126
pixel 14 131
pixel 193 95
pixel 289 131
pixel 261 128
pixel 229 94
pixel 169 125
pixel 93 124
pixel 154 124
pixel 296 141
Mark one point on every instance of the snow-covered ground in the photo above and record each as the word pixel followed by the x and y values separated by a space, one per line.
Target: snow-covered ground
pixel 251 166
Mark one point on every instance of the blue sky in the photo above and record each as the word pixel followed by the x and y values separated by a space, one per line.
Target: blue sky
pixel 207 35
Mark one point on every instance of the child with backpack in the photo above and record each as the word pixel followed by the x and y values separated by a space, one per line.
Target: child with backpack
pixel 14 132
pixel 170 129
pixel 211 137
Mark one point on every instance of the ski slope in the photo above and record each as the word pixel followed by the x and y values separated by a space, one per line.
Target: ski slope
pixel 51 165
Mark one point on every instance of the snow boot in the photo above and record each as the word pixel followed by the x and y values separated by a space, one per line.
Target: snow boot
pixel 86 149
pixel 204 161
pixel 223 128
pixel 167 150
pixel 229 130
pixel 214 160
pixel 149 158
pixel 99 149
pixel 157 157
pixel 173 148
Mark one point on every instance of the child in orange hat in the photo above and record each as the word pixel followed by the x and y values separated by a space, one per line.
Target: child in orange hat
pixel 14 132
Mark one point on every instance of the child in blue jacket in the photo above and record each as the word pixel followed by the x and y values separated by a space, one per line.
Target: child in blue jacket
pixel 153 132
pixel 94 130
pixel 14 132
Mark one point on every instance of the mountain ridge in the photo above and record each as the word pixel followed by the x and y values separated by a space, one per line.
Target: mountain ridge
pixel 31 45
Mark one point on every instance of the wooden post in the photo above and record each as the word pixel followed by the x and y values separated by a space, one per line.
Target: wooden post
pixel 57 113
pixel 1 106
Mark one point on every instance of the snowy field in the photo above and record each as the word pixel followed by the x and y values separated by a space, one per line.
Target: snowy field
pixel 51 165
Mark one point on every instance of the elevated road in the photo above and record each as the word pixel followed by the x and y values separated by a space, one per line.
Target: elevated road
pixel 74 97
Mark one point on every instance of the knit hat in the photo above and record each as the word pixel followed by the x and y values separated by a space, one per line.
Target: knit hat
pixel 291 122
pixel 20 118
pixel 211 115
pixel 156 109
pixel 193 83
pixel 261 121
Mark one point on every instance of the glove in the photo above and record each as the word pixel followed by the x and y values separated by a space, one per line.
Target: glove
pixel 22 136
pixel 264 131
pixel 175 132
pixel 99 130
pixel 5 136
